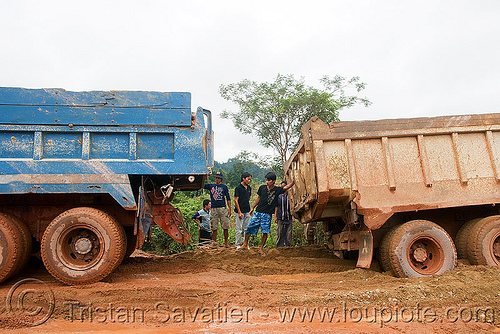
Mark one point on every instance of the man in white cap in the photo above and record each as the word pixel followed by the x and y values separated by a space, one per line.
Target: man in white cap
pixel 219 195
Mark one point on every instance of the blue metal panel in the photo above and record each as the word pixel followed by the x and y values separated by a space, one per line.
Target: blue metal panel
pixel 109 145
pixel 56 106
pixel 190 165
pixel 148 141
pixel 117 186
pixel 155 146
pixel 61 97
pixel 54 115
pixel 16 144
pixel 209 147
pixel 62 145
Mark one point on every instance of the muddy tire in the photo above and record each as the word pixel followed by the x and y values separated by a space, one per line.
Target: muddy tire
pixel 462 238
pixel 26 243
pixel 131 241
pixel 11 246
pixel 384 250
pixel 484 242
pixel 82 246
pixel 418 248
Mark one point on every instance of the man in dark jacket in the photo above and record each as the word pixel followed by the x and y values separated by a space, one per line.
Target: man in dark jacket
pixel 283 220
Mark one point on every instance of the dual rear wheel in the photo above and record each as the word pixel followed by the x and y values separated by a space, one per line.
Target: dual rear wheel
pixel 80 246
pixel 417 248
pixel 422 248
pixel 479 241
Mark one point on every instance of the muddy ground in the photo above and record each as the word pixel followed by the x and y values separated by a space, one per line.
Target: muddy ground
pixel 293 290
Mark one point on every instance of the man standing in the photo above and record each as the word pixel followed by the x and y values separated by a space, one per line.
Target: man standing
pixel 219 194
pixel 242 206
pixel 283 220
pixel 266 203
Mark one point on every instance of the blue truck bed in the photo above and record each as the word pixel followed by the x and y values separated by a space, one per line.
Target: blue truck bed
pixel 56 141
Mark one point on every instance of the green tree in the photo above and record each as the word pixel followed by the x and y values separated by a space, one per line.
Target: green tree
pixel 239 164
pixel 273 163
pixel 275 111
pixel 244 161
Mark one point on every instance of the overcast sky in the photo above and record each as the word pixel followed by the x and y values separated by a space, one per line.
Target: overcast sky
pixel 418 58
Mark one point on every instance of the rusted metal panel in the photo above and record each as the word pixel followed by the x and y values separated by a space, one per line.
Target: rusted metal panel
pixel 406 127
pixel 352 166
pixel 391 166
pixel 169 218
pixel 407 166
pixel 490 145
pixel 322 174
pixel 389 163
pixel 370 163
pixel 335 155
pixel 460 168
pixel 424 160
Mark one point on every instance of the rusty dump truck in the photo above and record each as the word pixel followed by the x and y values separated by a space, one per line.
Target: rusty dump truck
pixel 415 191
pixel 83 175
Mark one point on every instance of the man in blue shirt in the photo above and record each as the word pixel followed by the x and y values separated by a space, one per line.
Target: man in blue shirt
pixel 219 195
pixel 202 218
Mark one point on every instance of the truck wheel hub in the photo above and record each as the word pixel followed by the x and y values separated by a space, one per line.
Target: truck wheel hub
pixel 420 254
pixel 83 246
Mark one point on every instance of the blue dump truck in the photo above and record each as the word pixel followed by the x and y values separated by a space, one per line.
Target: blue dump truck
pixel 83 175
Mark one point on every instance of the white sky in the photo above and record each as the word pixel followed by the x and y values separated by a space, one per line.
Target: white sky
pixel 424 58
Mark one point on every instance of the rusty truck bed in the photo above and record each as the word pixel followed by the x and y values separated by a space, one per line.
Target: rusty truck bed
pixel 397 165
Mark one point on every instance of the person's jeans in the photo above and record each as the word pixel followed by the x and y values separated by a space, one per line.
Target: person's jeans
pixel 241 225
pixel 284 233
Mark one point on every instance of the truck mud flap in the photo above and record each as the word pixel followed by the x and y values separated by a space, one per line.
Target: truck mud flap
pixel 365 248
pixel 170 220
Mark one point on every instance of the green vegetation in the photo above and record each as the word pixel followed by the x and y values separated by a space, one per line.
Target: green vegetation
pixel 234 167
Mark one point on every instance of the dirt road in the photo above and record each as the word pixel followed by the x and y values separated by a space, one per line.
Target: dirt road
pixel 293 290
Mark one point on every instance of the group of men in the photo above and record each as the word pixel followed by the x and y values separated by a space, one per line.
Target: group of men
pixel 271 199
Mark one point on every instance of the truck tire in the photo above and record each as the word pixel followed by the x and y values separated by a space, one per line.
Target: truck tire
pixel 11 246
pixel 26 243
pixel 384 250
pixel 418 248
pixel 462 238
pixel 82 246
pixel 484 242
